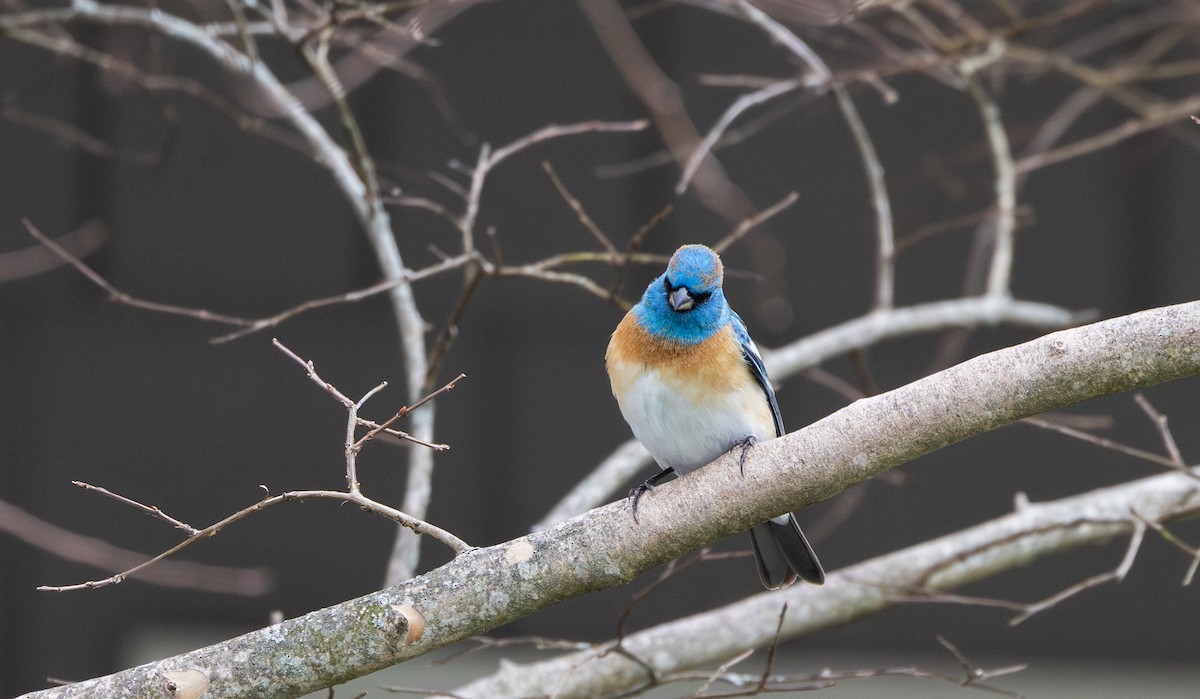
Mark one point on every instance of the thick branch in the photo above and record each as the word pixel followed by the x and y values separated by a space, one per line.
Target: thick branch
pixel 874 586
pixel 602 548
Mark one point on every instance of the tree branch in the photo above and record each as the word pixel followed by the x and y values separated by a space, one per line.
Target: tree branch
pixel 605 547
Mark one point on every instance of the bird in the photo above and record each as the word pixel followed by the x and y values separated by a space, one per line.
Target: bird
pixel 691 384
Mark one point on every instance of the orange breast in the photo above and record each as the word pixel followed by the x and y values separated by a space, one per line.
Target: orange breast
pixel 713 367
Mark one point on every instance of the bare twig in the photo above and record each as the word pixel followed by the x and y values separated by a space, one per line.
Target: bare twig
pixel 406 410
pixel 186 575
pixel 622 264
pixel 580 212
pixel 348 403
pixel 1115 575
pixel 1110 444
pixel 119 296
pixel 703 149
pixel 254 325
pixel 721 672
pixel 352 495
pixel 746 225
pixel 358 499
pixel 1028 609
pixel 1165 116
pixel 1164 431
pixel 69 133
pixel 246 325
pixel 148 509
pixel 973 675
pixel 553 131
pixel 1192 551
pixel 79 243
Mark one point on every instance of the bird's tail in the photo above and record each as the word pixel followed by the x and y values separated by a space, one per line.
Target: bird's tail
pixel 783 554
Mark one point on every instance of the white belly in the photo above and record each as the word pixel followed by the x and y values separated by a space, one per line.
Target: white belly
pixel 684 431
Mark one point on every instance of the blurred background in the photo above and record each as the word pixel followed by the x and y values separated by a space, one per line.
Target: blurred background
pixel 172 203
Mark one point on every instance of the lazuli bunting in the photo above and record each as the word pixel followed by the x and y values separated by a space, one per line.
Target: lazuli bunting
pixel 691 385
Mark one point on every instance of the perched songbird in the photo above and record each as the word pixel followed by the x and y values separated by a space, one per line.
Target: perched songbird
pixel 691 385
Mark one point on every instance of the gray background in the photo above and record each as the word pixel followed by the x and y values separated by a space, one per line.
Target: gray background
pixel 142 404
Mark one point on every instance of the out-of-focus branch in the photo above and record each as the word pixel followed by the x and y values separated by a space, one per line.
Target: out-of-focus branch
pixel 77 244
pixel 62 44
pixel 1003 225
pixel 378 49
pixel 1176 112
pixel 664 101
pixel 885 251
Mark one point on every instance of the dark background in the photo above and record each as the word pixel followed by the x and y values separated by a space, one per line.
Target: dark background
pixel 142 404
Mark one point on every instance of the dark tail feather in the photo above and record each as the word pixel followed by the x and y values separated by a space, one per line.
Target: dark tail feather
pixel 783 555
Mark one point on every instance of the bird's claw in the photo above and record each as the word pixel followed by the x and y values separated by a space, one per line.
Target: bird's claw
pixel 745 443
pixel 636 492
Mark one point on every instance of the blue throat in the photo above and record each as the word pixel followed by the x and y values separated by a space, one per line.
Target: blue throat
pixel 686 327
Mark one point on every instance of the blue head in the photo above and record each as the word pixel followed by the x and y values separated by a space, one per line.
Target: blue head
pixel 685 303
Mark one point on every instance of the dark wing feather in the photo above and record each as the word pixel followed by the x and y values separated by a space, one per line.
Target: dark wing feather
pixel 781 550
pixel 758 370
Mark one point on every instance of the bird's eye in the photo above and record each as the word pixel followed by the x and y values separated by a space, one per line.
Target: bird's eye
pixel 667 285
pixel 701 297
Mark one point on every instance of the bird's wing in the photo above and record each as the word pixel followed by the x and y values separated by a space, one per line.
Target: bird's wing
pixel 757 369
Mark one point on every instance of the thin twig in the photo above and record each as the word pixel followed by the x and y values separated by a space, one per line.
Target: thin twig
pixel 1109 444
pixel 559 130
pixel 1131 127
pixel 346 402
pixel 704 147
pixel 88 550
pixel 1192 551
pixel 246 325
pixel 971 674
pixel 406 410
pixel 1029 609
pixel 151 510
pixel 352 447
pixel 37 258
pixel 580 212
pixel 420 527
pixel 621 264
pixel 408 277
pixel 71 134
pixel 1116 575
pixel 746 225
pixel 119 296
pixel 1164 431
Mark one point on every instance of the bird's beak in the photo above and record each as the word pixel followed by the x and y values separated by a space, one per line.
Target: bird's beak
pixel 680 299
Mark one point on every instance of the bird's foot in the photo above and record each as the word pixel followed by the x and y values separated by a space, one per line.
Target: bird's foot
pixel 636 492
pixel 745 443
